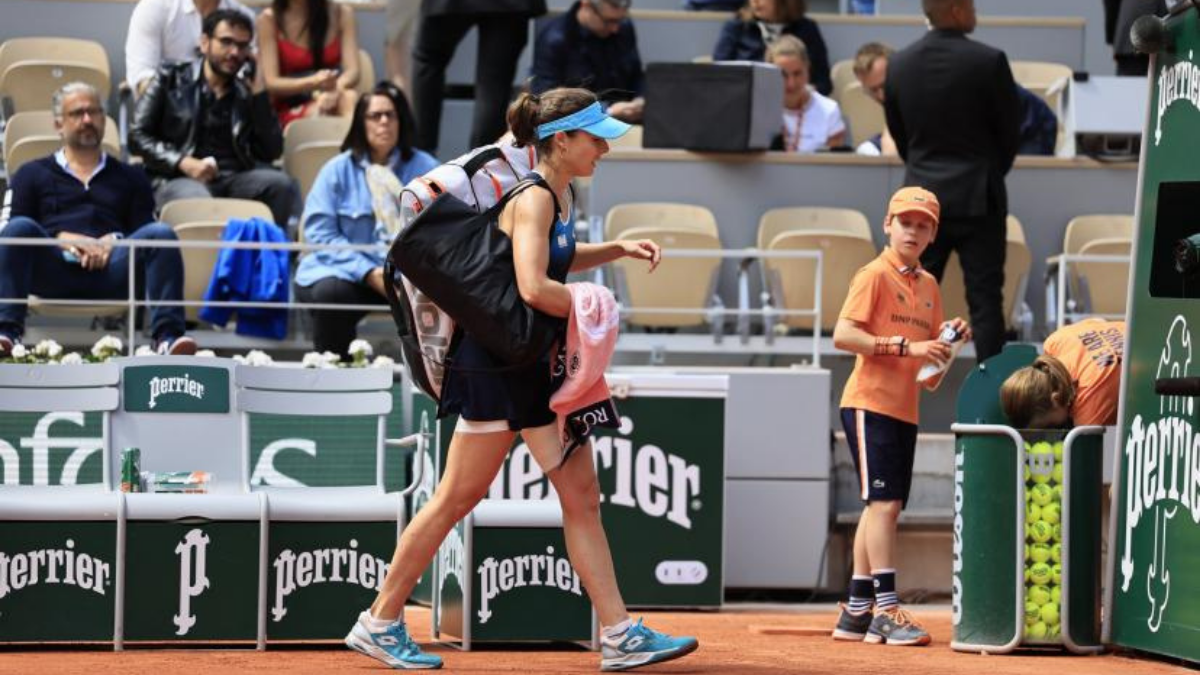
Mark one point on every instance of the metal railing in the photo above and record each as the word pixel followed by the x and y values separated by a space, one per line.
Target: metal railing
pixel 744 313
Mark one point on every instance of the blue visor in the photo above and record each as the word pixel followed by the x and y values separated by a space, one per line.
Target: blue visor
pixel 591 119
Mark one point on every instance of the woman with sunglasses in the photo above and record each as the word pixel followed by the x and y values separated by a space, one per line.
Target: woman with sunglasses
pixel 341 210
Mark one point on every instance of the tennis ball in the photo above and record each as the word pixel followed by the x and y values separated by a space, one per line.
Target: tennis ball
pixel 1057 490
pixel 1026 552
pixel 1056 532
pixel 1042 448
pixel 1056 553
pixel 1037 631
pixel 1032 613
pixel 1057 474
pixel 1038 595
pixel 1052 632
pixel 1058 450
pixel 1041 494
pixel 1040 573
pixel 1049 614
pixel 1050 512
pixel 1038 553
pixel 1055 573
pixel 1026 575
pixel 1041 478
pixel 1027 475
pixel 1055 594
pixel 1033 512
pixel 1041 531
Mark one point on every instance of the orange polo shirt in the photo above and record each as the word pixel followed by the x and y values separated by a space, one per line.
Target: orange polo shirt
pixel 888 298
pixel 1092 351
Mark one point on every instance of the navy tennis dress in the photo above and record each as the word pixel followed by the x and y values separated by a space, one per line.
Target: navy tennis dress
pixel 520 397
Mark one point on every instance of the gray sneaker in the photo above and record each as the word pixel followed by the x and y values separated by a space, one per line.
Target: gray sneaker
pixel 896 627
pixel 850 626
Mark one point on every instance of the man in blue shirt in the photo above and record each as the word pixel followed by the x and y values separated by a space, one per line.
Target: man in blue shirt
pixel 592 45
pixel 89 200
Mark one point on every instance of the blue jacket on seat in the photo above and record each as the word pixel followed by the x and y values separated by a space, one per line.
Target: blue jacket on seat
pixel 251 276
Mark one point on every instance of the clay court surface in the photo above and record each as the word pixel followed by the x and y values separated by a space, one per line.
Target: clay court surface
pixel 739 639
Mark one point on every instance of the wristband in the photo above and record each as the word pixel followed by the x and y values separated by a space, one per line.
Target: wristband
pixel 895 345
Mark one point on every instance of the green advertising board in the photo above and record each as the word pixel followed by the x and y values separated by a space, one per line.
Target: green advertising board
pixel 175 389
pixel 191 579
pixel 1153 597
pixel 51 448
pixel 57 581
pixel 322 574
pixel 662 496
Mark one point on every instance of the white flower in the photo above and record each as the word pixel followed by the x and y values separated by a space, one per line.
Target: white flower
pixel 382 361
pixel 258 358
pixel 206 354
pixel 311 360
pixel 18 352
pixel 106 347
pixel 361 350
pixel 144 350
pixel 48 349
pixel 72 359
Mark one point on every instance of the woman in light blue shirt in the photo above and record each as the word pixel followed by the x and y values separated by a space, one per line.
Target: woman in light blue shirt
pixel 339 210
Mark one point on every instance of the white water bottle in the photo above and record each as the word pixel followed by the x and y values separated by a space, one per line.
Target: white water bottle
pixel 932 369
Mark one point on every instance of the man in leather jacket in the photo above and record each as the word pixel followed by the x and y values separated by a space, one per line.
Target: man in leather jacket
pixel 204 131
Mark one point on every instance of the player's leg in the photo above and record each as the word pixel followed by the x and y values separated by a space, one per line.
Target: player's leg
pixel 624 644
pixel 472 462
pixel 890 449
pixel 855 617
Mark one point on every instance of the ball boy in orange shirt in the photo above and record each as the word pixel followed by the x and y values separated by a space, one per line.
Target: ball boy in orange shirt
pixel 891 320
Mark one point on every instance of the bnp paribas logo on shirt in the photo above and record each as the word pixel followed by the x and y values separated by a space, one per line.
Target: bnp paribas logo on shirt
pixel 176 389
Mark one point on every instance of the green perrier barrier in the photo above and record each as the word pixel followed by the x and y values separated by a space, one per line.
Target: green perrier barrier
pixel 1026 535
pixel 1153 594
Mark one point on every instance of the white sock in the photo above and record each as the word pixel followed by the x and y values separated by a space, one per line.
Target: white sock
pixel 379 625
pixel 616 630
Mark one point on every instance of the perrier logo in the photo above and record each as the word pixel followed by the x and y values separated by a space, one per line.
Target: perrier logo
pixel 176 389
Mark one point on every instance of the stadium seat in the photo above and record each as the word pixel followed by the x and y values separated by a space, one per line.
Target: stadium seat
pixel 33 68
pixel 1017 261
pixel 664 215
pixel 842 74
pixel 310 142
pixel 864 115
pixel 678 283
pixel 1102 287
pixel 204 220
pixel 1046 80
pixel 844 238
pixel 366 72
pixel 31 135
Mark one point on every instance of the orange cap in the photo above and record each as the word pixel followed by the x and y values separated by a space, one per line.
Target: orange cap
pixel 908 199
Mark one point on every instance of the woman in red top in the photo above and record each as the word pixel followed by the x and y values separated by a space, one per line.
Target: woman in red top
pixel 308 50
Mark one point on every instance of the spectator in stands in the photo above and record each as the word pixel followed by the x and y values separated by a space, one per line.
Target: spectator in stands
pixel 503 29
pixel 401 20
pixel 761 22
pixel 1039 125
pixel 80 193
pixel 309 58
pixel 951 105
pixel 204 131
pixel 1119 16
pixel 811 122
pixel 166 30
pixel 340 210
pixel 870 68
pixel 592 45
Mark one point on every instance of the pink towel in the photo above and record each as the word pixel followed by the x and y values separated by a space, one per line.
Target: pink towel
pixel 582 400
